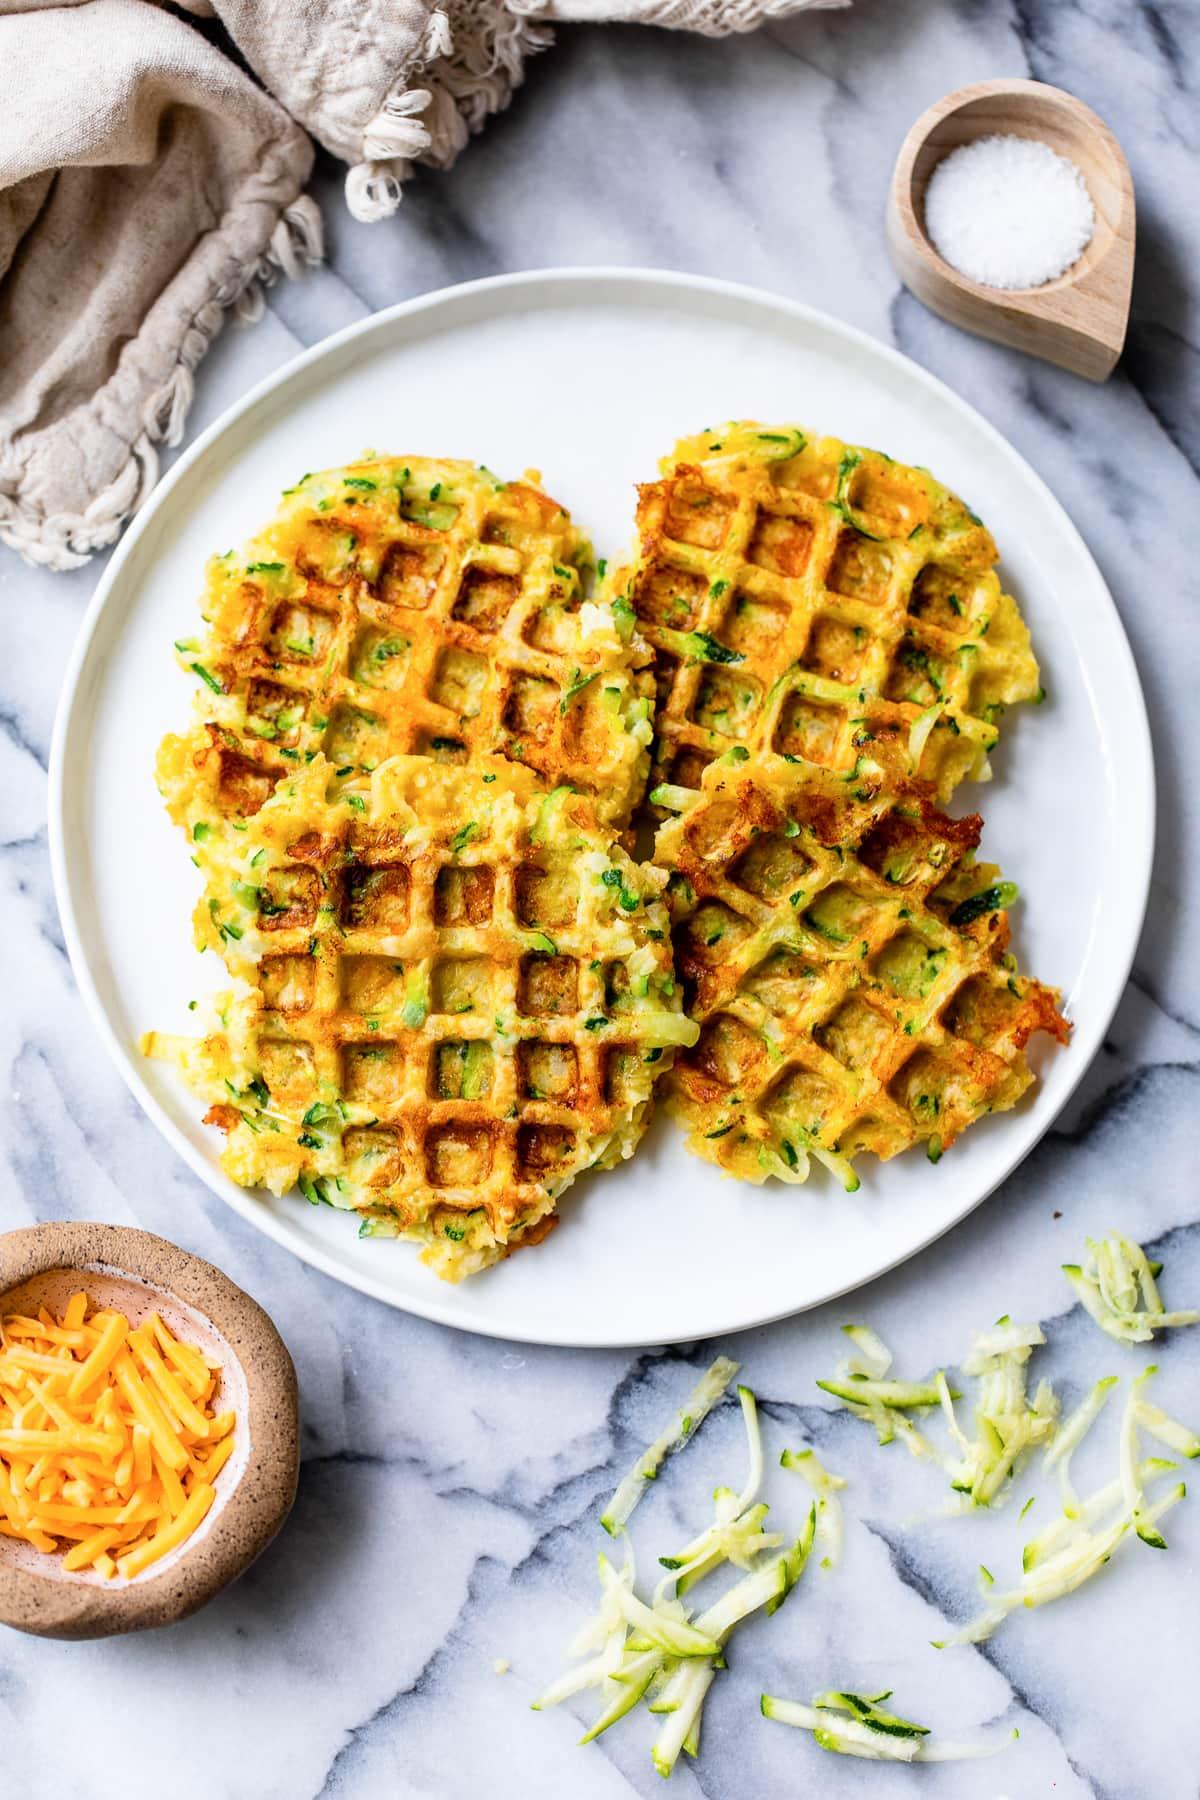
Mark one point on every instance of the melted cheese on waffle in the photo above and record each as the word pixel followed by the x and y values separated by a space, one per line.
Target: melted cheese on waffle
pixel 454 994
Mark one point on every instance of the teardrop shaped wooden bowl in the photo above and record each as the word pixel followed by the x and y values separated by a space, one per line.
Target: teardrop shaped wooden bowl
pixel 138 1274
pixel 1079 320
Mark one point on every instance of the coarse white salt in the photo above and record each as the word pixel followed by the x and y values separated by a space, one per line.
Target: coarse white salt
pixel 1008 212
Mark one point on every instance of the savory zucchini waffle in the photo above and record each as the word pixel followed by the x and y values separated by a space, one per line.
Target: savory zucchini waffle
pixel 410 605
pixel 417 743
pixel 803 595
pixel 847 961
pixel 455 992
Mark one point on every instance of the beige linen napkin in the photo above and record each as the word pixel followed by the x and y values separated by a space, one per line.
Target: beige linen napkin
pixel 149 187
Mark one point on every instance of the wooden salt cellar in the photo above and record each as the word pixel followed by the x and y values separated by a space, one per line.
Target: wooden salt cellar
pixel 1078 320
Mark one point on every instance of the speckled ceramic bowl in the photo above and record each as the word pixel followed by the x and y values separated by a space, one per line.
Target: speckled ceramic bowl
pixel 139 1274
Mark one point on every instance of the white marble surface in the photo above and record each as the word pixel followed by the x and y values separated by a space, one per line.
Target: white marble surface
pixel 450 1486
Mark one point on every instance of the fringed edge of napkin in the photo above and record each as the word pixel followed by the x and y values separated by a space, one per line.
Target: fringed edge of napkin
pixel 465 69
pixel 67 540
pixel 710 18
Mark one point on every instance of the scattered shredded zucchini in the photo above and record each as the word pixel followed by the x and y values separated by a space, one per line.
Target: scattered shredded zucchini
pixel 1116 1284
pixel 1076 1546
pixel 736 1534
pixel 872 1356
pixel 829 1508
pixel 699 1403
pixel 1071 1434
pixel 856 1725
pixel 656 1651
pixel 1008 1427
pixel 863 1386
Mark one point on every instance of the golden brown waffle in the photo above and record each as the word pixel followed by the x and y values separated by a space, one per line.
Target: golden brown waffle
pixel 805 597
pixel 458 991
pixel 416 741
pixel 847 962
pixel 416 606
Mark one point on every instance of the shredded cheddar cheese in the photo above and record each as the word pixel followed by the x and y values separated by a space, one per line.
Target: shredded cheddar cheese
pixel 109 1438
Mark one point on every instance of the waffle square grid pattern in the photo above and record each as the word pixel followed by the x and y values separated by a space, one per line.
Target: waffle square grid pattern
pixel 414 777
pixel 417 607
pixel 847 961
pixel 803 595
pixel 461 990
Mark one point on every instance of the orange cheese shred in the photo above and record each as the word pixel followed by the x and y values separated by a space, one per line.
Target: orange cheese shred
pixel 110 1441
pixel 115 1331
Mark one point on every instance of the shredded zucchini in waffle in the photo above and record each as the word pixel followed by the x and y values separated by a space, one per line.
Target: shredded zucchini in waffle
pixel 454 993
pixel 847 962
pixel 803 595
pixel 412 778
pixel 416 606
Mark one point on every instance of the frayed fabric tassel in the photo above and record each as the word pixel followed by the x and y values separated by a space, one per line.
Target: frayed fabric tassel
pixel 395 137
pixel 298 240
pixel 438 39
pixel 710 18
pixel 396 131
pixel 166 411
pixel 374 191
pixel 470 69
pixel 67 540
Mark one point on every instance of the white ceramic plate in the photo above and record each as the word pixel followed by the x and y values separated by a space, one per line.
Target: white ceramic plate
pixel 590 376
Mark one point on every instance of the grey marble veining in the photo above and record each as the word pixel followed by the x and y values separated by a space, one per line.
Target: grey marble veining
pixel 450 1486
